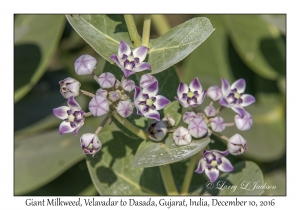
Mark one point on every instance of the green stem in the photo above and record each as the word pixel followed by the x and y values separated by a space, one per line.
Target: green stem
pixel 189 174
pixel 146 30
pixel 102 124
pixel 135 38
pixel 139 132
pixel 161 24
pixel 168 180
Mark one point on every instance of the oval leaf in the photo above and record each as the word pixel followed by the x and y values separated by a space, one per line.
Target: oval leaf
pixel 178 43
pixel 152 153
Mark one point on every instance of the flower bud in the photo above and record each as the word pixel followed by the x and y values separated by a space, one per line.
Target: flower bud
pixel 99 106
pixel 69 87
pixel 85 64
pixel 118 84
pixel 106 80
pixel 197 127
pixel 182 137
pixel 218 124
pixel 210 111
pixel 237 145
pixel 243 123
pixel 113 96
pixel 147 79
pixel 90 143
pixel 125 108
pixel 101 92
pixel 128 85
pixel 170 122
pixel 157 130
pixel 214 92
pixel 188 116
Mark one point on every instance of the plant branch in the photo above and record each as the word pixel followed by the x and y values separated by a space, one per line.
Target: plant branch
pixel 102 124
pixel 146 30
pixel 168 180
pixel 221 136
pixel 134 36
pixel 87 93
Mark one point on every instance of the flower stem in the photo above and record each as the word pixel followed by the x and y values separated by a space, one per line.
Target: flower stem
pixel 168 180
pixel 189 174
pixel 87 114
pixel 135 38
pixel 139 132
pixel 87 93
pixel 229 124
pixel 161 24
pixel 220 109
pixel 95 77
pixel 221 136
pixel 102 124
pixel 146 30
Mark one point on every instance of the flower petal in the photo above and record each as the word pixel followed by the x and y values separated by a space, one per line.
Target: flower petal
pixel 77 128
pixel 137 94
pixel 161 102
pixel 151 89
pixel 214 92
pixel 140 52
pixel 195 85
pixel 201 166
pixel 239 85
pixel 182 102
pixel 201 98
pixel 247 99
pixel 225 87
pixel 239 110
pixel 123 49
pixel 127 73
pixel 61 112
pixel 143 66
pixel 65 127
pixel 147 79
pixel 226 166
pixel 182 88
pixel 115 58
pixel 73 104
pixel 152 114
pixel 224 102
pixel 212 174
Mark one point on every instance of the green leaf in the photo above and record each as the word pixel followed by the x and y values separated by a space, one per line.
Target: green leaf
pixel 36 38
pixel 241 181
pixel 102 32
pixel 178 43
pixel 258 43
pixel 152 153
pixel 277 180
pixel 210 60
pixel 112 173
pixel 278 20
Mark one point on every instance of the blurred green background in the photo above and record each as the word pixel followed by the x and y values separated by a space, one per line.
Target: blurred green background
pixel 248 46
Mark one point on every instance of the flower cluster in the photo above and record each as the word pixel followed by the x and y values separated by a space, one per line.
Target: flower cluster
pixel 207 123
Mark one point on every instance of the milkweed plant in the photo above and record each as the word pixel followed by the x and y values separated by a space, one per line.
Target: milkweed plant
pixel 138 93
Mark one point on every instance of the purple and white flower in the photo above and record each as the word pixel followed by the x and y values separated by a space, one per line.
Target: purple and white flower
pixel 128 85
pixel 101 92
pixel 210 111
pixel 99 106
pixel 237 145
pixel 69 87
pixel 157 130
pixel 147 79
pixel 181 136
pixel 214 92
pixel 147 102
pixel 90 143
pixel 192 95
pixel 125 108
pixel 234 97
pixel 243 123
pixel 198 127
pixel 212 162
pixel 107 80
pixel 72 116
pixel 85 64
pixel 131 61
pixel 218 124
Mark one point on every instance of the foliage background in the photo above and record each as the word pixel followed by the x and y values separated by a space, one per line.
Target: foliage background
pixel 46 46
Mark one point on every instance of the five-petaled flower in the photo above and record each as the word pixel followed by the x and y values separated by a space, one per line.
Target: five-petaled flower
pixel 234 97
pixel 147 102
pixel 72 116
pixel 212 161
pixel 192 95
pixel 131 61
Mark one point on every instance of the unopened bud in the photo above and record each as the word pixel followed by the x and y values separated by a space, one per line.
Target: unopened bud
pixel 237 145
pixel 101 92
pixel 182 137
pixel 85 65
pixel 114 96
pixel 210 111
pixel 170 122
pixel 243 123
pixel 69 87
pixel 106 80
pixel 90 143
pixel 218 124
pixel 157 130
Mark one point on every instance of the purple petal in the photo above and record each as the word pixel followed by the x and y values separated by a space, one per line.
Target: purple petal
pixel 128 85
pixel 147 79
pixel 115 58
pixel 140 52
pixel 99 106
pixel 197 127
pixel 161 102
pixel 195 85
pixel 138 112
pixel 188 116
pixel 143 66
pixel 151 89
pixel 73 104
pixel 212 174
pixel 65 127
pixel 201 99
pixel 239 110
pixel 224 102
pixel 222 153
pixel 123 49
pixel 225 87
pixel 243 123
pixel 61 112
pixel 137 94
pixel 214 92
pixel 247 100
pixel 182 88
pixel 127 73
pixel 240 85
pixel 107 80
pixel 225 166
pixel 152 114
pixel 78 127
pixel 201 166
pixel 125 108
